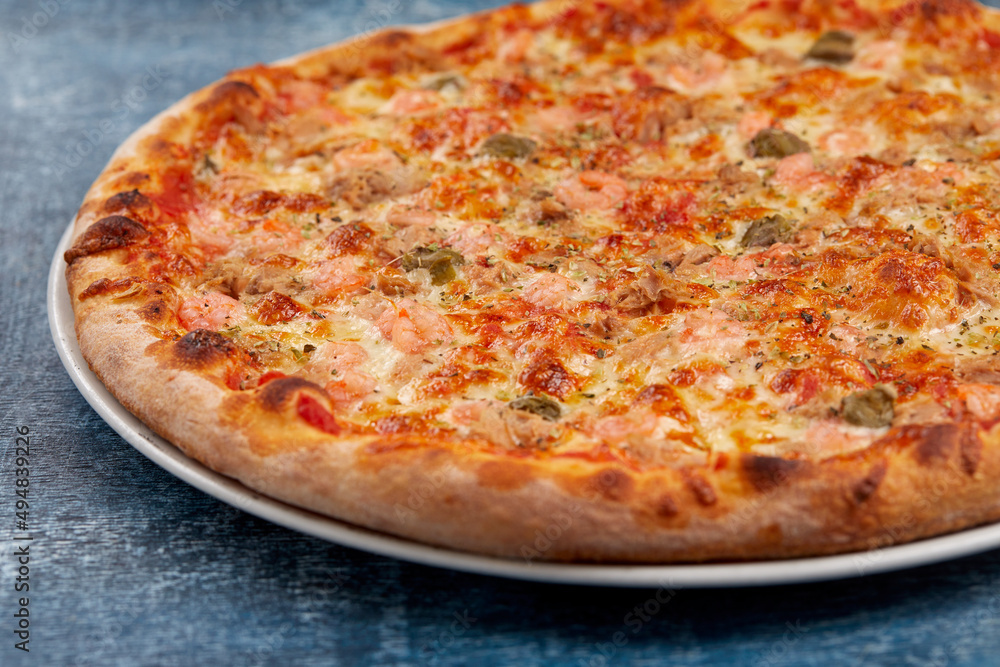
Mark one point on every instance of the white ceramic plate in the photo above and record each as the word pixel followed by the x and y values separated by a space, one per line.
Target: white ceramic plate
pixel 230 491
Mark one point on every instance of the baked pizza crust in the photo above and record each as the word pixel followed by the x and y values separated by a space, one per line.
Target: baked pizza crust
pixel 915 482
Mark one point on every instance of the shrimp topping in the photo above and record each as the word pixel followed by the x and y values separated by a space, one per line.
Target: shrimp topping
pixel 212 311
pixel 336 365
pixel 414 328
pixel 592 190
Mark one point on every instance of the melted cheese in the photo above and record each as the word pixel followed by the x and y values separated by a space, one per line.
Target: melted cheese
pixel 606 257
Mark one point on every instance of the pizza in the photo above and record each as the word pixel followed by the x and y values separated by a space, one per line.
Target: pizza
pixel 605 281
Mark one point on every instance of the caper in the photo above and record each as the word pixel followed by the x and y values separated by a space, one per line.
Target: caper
pixel 538 405
pixel 833 47
pixel 505 145
pixel 872 408
pixel 770 142
pixel 765 232
pixel 440 263
pixel 442 81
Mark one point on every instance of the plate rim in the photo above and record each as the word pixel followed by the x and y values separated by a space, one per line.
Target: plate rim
pixel 699 575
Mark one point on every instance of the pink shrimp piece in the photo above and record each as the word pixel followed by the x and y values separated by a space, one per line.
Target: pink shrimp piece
pixel 881 54
pixel 712 332
pixel 775 260
pixel 407 216
pixel 515 47
pixel 982 400
pixel 848 338
pixel 826 438
pixel 549 290
pixel 414 328
pixel 297 95
pixel 710 68
pixel 339 275
pixel 845 142
pixel 350 387
pixel 408 102
pixel 592 190
pixel 271 236
pixel 466 413
pixel 725 267
pixel 368 153
pixel 335 366
pixel 797 172
pixel 555 119
pixel 334 355
pixel 212 311
pixel 619 428
pixel 211 235
pixel 771 262
pixel 753 122
pixel 476 239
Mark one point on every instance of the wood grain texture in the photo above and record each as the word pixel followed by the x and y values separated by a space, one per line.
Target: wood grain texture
pixel 132 566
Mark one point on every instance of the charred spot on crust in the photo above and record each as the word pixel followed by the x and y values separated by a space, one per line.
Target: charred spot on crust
pixel 234 101
pixel 936 443
pixel 202 348
pixel 394 38
pixel 277 393
pixel 502 475
pixel 154 312
pixel 612 484
pixel 115 231
pixel 864 489
pixel 702 490
pixel 765 473
pixel 103 286
pixel 127 202
pixel 132 179
pixel 229 90
pixel 971 449
pixel 666 506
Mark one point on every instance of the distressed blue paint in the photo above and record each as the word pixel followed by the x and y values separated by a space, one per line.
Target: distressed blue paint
pixel 132 566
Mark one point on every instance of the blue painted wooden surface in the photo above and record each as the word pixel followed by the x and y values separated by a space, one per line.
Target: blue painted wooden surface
pixel 131 566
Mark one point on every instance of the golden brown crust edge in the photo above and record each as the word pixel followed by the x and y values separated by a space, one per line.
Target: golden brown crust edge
pixel 919 482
